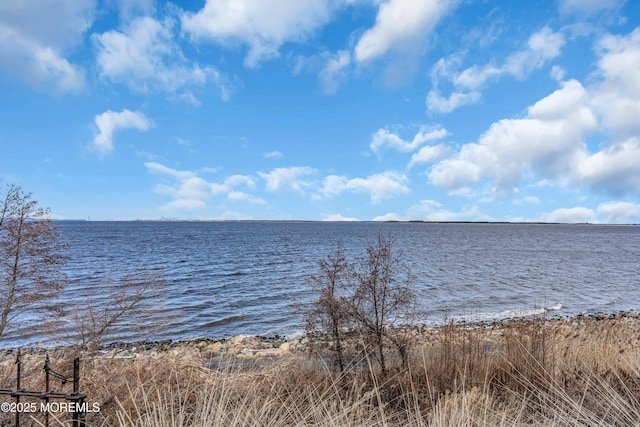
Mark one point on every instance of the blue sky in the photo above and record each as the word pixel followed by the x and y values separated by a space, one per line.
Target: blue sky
pixel 323 109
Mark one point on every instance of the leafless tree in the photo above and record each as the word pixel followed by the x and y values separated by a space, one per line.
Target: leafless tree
pixel 383 290
pixel 365 296
pixel 31 256
pixel 329 312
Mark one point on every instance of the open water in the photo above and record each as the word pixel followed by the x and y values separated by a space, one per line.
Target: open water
pixel 229 278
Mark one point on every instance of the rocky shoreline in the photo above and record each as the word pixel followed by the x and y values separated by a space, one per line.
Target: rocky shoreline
pixel 244 347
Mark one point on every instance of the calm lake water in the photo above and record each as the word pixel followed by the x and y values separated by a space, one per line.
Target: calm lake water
pixel 229 278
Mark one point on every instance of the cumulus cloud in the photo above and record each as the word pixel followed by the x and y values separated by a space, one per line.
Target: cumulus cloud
pixel 232 182
pixel 379 186
pixel 613 170
pixel 191 192
pixel 428 154
pixel 338 217
pixel 576 215
pixel 293 178
pixel 542 47
pixel 144 57
pixel 400 24
pixel 187 189
pixel 432 210
pixel 109 122
pixel 619 212
pixel 385 138
pixel 616 212
pixel 551 143
pixel 33 45
pixel 262 25
pixel 616 97
pixel 547 143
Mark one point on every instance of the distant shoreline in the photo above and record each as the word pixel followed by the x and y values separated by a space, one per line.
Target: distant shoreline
pixel 171 220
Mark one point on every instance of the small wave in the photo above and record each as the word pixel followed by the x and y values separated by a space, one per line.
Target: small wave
pixel 506 314
pixel 294 336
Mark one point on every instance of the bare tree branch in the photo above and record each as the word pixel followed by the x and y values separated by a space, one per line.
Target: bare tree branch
pixel 31 256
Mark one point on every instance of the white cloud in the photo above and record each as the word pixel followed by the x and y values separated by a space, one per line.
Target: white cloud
pixel 334 71
pixel 240 196
pixel 557 73
pixel 542 47
pixel 234 181
pixel 400 25
pixel 390 216
pixel 288 178
pixel 385 138
pixel 273 155
pixel 578 214
pixel 191 192
pixel 548 143
pixel 262 25
pixel 476 76
pixel 379 186
pixel 617 96
pixel 160 169
pixel 431 210
pixel 110 122
pixel 439 104
pixel 614 170
pixel 144 57
pixel 129 9
pixel 470 214
pixel 428 154
pixel 338 217
pixel 235 216
pixel 619 212
pixel 588 8
pixel 32 44
pixel 188 191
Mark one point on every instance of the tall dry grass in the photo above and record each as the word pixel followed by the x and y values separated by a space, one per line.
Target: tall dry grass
pixel 522 373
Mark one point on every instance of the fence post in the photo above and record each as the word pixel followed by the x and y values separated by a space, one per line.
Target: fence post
pixel 76 397
pixel 78 418
pixel 18 373
pixel 47 368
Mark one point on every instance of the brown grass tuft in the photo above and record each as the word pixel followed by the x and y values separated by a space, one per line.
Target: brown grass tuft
pixel 533 372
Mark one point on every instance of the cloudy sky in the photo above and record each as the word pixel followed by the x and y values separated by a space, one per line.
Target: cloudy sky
pixel 495 110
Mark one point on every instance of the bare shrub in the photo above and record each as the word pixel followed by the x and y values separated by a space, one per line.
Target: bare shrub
pixel 130 300
pixel 330 311
pixel 362 298
pixel 383 290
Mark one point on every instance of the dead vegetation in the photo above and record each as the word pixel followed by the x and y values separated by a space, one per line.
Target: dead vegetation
pixel 529 372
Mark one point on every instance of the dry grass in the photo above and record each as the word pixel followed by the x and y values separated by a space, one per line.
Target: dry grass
pixel 536 372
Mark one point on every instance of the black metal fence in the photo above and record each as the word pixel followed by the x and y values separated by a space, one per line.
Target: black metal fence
pixel 49 401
